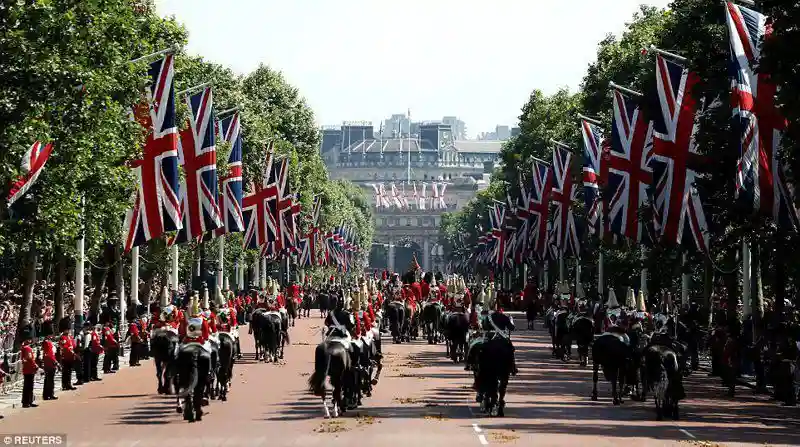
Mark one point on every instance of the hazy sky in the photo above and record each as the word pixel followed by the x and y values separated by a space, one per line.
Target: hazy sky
pixel 367 59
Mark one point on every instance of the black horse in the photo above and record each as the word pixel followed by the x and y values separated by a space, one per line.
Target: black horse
pixel 227 349
pixel 432 317
pixel 193 366
pixel 611 351
pixel 581 331
pixel 396 314
pixel 331 360
pixel 291 311
pixel 559 335
pixel 163 346
pixel 266 329
pixel 664 377
pixel 456 329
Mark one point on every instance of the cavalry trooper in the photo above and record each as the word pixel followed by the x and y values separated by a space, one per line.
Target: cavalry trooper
pixel 494 324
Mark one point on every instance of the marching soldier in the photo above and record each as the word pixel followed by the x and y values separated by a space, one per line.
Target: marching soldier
pixel 29 368
pixel 111 360
pixel 96 348
pixel 136 340
pixel 49 365
pixel 66 349
pixel 85 343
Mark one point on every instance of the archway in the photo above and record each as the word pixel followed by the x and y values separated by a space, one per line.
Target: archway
pixel 405 249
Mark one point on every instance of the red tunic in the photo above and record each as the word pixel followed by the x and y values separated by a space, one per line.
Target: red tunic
pixel 133 330
pixel 95 345
pixel 49 355
pixel 425 289
pixel 29 365
pixel 358 330
pixel 272 307
pixel 281 300
pixel 108 337
pixel 294 292
pixel 67 345
pixel 212 323
pixel 205 333
pixel 417 289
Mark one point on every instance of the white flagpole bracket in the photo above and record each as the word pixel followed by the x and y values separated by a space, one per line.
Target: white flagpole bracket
pixel 677 58
pixel 591 120
pixel 558 143
pixel 614 85
pixel 195 88
pixel 152 55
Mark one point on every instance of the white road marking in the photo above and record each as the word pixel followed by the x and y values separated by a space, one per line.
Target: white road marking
pixel 477 429
pixel 483 440
pixel 686 432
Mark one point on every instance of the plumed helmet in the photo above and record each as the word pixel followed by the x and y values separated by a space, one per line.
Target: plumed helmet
pixel 194 327
pixel 275 288
pixel 640 303
pixel 612 302
pixel 630 299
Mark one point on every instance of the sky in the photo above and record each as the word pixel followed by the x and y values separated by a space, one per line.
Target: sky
pixel 367 59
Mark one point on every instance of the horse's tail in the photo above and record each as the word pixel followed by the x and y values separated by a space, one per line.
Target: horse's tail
pixel 322 362
pixel 286 336
pixel 671 361
pixel 193 377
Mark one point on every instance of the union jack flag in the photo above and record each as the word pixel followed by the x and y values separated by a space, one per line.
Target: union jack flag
pixel 198 155
pixel 539 206
pixel 231 197
pixel 523 225
pixel 592 159
pixel 256 207
pixel 626 168
pixel 760 179
pixel 304 258
pixel 676 163
pixel 564 236
pixel 156 208
pixel 32 165
pixel 283 208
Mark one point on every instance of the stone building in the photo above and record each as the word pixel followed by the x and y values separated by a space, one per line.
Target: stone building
pixel 430 156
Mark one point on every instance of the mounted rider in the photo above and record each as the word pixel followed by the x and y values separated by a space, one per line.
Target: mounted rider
pixel 195 328
pixel 494 325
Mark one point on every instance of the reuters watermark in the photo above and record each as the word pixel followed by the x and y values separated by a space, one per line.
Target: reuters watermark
pixel 33 439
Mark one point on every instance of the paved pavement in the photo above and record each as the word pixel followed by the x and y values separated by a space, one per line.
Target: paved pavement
pixel 423 400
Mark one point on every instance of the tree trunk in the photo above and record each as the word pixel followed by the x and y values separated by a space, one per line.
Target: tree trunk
pixel 27 295
pixel 58 290
pixel 732 284
pixel 99 278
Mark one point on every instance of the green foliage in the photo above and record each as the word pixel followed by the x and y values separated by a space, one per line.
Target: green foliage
pixel 65 77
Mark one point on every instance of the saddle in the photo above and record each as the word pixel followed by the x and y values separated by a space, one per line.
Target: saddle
pixel 192 346
pixel 345 342
pixel 620 336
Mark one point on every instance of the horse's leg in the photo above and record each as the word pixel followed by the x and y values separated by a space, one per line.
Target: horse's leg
pixel 159 372
pixel 502 395
pixel 325 408
pixel 595 368
pixel 615 390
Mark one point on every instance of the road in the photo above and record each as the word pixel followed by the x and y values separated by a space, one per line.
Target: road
pixel 423 400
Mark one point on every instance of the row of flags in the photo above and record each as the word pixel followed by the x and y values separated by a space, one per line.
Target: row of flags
pixel 397 199
pixel 639 183
pixel 210 206
pixel 204 205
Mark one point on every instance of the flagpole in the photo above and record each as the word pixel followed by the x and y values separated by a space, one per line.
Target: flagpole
pixel 151 55
pixel 79 274
pixel 601 286
pixel 408 165
pixel 257 272
pixel 174 270
pixel 134 277
pixel 221 280
pixel 746 300
pixel 643 274
pixel 684 282
pixel 264 272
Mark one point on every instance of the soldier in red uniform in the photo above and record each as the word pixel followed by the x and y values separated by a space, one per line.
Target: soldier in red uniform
pixel 136 339
pixel 29 368
pixel 281 300
pixel 96 348
pixel 211 318
pixel 425 286
pixel 66 346
pixel 112 349
pixel 196 336
pixel 49 365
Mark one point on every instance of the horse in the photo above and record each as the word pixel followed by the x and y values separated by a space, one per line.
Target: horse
pixel 663 374
pixel 495 363
pixel 305 306
pixel 612 352
pixel 432 316
pixel 226 360
pixel 291 311
pixel 396 314
pixel 324 302
pixel 456 329
pixel 271 336
pixel 581 331
pixel 193 366
pixel 163 344
pixel 559 335
pixel 331 360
